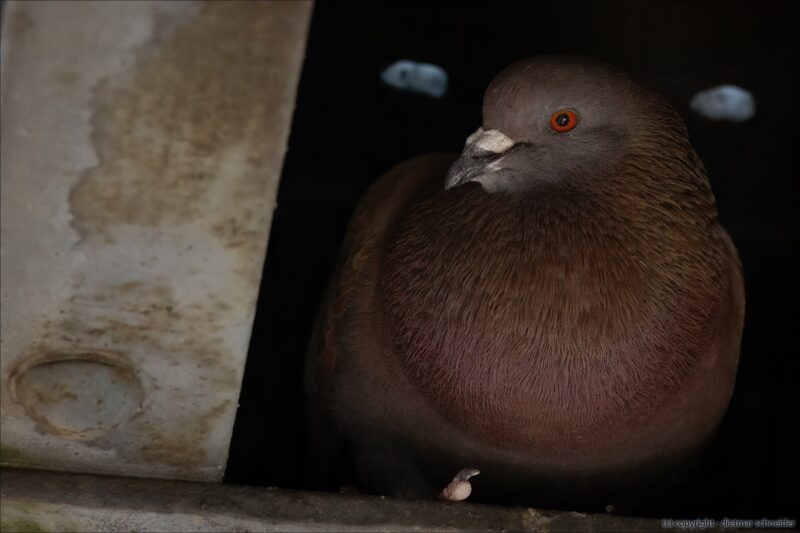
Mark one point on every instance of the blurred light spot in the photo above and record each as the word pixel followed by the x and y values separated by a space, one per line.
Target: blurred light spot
pixel 726 102
pixel 423 78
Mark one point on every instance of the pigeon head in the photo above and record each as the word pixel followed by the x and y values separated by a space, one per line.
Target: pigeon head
pixel 548 119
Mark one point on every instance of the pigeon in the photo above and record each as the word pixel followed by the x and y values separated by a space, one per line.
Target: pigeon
pixel 557 307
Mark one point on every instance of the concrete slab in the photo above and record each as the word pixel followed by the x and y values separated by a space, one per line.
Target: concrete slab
pixel 142 144
pixel 49 501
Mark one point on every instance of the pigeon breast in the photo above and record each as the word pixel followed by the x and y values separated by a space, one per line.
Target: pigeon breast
pixel 578 306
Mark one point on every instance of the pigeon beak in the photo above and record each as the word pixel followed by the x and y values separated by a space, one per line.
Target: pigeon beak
pixel 482 148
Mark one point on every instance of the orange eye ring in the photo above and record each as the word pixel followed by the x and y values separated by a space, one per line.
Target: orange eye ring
pixel 563 120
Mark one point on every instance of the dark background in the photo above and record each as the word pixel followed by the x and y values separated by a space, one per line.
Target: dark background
pixel 349 128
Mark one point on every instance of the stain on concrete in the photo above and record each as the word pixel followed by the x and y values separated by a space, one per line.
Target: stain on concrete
pixel 10 455
pixel 65 77
pixel 182 449
pixel 77 395
pixel 21 526
pixel 20 24
pixel 108 325
pixel 182 136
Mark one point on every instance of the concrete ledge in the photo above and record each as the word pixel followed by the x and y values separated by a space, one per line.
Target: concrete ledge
pixel 49 501
pixel 142 147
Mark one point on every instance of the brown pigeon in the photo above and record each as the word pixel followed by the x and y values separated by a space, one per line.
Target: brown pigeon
pixel 558 307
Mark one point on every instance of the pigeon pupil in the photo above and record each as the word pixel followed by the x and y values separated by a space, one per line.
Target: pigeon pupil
pixel 562 119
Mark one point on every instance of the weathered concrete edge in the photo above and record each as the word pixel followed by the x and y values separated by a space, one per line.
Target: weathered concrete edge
pixel 33 500
pixel 161 295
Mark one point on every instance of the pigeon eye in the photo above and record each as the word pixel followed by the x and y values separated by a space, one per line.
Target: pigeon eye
pixel 563 120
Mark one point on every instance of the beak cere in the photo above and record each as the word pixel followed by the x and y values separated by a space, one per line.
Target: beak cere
pixel 481 149
pixel 493 141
